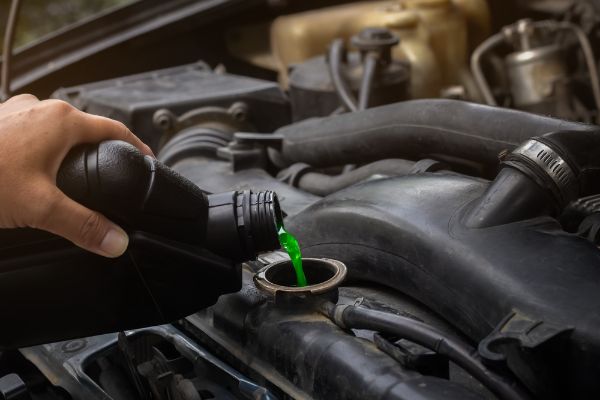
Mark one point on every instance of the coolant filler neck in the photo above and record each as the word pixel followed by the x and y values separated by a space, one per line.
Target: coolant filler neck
pixel 278 280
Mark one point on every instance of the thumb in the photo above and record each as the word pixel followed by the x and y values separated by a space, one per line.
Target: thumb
pixel 87 229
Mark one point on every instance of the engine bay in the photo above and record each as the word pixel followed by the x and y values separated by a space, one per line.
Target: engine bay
pixel 436 159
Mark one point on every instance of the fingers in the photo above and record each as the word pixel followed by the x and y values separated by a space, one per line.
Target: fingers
pixel 35 138
pixel 87 229
pixel 97 129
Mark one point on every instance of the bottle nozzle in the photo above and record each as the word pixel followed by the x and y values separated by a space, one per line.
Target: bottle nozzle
pixel 243 224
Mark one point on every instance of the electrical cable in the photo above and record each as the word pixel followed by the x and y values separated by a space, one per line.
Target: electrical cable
pixel 322 184
pixel 366 85
pixel 457 351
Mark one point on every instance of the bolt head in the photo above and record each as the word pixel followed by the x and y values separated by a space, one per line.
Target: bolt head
pixel 73 346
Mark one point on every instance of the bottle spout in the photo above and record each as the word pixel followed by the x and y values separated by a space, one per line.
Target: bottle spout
pixel 243 224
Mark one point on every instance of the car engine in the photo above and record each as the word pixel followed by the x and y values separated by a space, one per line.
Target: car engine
pixel 438 162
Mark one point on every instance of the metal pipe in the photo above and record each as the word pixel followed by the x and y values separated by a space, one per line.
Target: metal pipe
pixel 499 38
pixel 9 37
pixel 590 61
pixel 477 71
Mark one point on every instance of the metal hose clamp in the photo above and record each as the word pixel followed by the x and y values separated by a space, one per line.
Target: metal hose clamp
pixel 551 164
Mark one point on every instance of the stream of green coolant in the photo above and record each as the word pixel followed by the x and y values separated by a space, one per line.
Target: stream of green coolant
pixel 290 244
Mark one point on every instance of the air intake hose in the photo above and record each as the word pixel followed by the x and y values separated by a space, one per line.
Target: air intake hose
pixel 541 177
pixel 415 129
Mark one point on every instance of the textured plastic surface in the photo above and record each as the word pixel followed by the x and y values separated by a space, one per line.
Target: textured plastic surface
pixel 134 99
pixel 135 191
pixel 474 277
pixel 312 94
pixel 322 360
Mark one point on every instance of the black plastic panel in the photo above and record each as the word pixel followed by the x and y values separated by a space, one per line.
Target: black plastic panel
pixel 134 99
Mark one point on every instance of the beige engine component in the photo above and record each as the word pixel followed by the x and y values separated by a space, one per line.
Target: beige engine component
pixel 436 37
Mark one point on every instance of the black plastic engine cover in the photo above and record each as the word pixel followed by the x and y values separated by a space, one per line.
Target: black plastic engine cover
pixel 134 99
pixel 407 233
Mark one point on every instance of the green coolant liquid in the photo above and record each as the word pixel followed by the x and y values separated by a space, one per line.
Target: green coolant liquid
pixel 290 244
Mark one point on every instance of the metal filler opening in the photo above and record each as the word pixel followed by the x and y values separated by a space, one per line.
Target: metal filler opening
pixel 323 275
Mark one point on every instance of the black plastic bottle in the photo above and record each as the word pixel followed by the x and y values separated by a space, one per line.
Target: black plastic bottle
pixel 184 252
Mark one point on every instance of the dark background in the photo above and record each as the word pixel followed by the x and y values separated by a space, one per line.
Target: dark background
pixel 40 17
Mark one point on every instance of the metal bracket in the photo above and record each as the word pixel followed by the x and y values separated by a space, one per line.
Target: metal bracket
pixel 12 387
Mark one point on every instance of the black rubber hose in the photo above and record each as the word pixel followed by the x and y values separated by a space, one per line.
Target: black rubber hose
pixel 193 142
pixel 415 129
pixel 511 197
pixel 574 214
pixel 541 177
pixel 335 55
pixel 582 151
pixel 418 332
pixel 366 85
pixel 323 184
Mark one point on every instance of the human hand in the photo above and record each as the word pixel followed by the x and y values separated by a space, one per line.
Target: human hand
pixel 35 137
